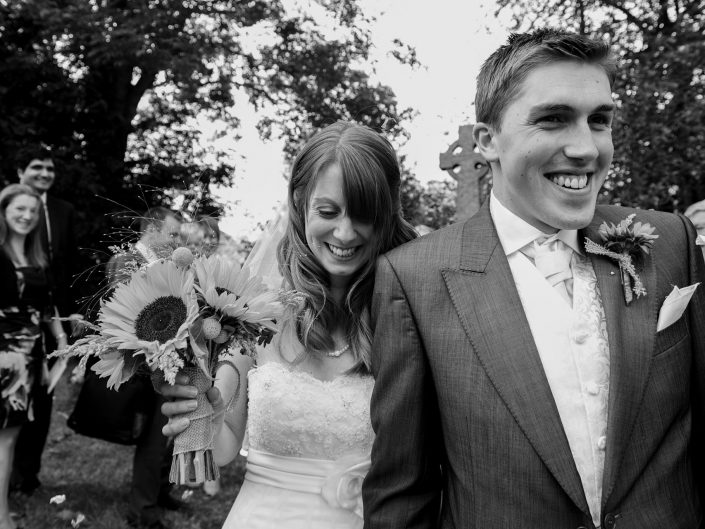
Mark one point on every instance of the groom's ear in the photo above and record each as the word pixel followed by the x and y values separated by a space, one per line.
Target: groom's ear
pixel 484 138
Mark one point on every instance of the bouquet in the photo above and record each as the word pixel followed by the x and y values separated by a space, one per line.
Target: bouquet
pixel 182 314
pixel 14 383
pixel 16 373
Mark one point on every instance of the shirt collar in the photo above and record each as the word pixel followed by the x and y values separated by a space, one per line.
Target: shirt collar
pixel 514 232
pixel 146 252
pixel 43 196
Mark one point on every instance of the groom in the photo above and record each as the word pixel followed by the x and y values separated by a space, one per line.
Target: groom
pixel 515 386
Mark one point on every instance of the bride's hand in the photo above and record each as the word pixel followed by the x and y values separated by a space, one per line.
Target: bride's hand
pixel 181 399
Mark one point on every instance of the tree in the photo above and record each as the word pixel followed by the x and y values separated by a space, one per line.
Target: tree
pixel 432 205
pixel 659 131
pixel 117 86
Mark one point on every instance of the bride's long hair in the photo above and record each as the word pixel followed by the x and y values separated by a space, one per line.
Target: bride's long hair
pixel 371 183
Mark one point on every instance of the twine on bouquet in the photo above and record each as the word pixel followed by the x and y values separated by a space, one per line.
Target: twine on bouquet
pixel 192 462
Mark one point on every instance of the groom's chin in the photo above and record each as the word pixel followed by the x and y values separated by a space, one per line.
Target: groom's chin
pixel 576 222
pixel 572 218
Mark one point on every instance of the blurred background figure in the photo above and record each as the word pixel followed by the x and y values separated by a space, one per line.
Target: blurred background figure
pixel 201 236
pixel 160 230
pixel 56 233
pixel 26 301
pixel 192 236
pixel 160 233
pixel 211 234
pixel 696 214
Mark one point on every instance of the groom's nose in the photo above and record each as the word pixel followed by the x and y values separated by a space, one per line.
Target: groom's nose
pixel 581 143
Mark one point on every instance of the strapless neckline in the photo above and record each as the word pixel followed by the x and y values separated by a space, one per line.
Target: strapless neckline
pixel 342 378
pixel 293 413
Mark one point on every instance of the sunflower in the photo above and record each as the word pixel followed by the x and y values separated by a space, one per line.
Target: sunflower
pixel 635 240
pixel 232 293
pixel 152 313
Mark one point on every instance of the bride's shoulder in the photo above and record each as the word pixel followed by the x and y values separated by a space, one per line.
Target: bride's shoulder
pixel 284 347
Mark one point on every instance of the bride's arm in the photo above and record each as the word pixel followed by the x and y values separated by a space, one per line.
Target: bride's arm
pixel 231 398
pixel 231 382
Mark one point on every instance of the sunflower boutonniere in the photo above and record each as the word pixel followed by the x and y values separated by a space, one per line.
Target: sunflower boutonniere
pixel 628 244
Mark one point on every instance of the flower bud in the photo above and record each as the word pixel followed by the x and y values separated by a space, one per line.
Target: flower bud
pixel 182 257
pixel 211 328
pixel 222 337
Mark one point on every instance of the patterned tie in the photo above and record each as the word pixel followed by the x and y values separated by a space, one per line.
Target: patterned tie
pixel 552 258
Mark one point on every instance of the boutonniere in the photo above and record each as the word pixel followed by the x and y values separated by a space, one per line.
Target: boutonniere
pixel 628 245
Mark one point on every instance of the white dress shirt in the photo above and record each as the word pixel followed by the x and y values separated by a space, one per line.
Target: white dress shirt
pixel 571 342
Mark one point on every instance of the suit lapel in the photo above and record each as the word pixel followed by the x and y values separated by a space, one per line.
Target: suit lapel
pixel 486 299
pixel 631 335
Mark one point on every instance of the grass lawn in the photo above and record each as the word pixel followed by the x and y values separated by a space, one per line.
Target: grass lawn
pixel 95 476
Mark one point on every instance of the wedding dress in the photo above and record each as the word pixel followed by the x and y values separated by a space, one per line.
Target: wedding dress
pixel 309 447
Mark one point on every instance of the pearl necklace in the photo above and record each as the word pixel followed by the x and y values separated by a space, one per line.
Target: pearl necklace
pixel 338 352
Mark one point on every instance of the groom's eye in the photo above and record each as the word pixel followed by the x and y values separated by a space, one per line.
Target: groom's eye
pixel 601 120
pixel 551 119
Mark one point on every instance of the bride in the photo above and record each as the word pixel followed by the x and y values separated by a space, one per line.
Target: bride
pixel 307 408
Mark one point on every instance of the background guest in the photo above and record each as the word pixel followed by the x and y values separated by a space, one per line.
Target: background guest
pixel 56 224
pixel 160 233
pixel 192 236
pixel 696 214
pixel 26 300
pixel 149 489
pixel 211 239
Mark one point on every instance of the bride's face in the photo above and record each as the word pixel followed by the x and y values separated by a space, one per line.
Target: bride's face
pixel 341 244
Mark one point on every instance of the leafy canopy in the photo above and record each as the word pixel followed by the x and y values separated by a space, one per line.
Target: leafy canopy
pixel 117 88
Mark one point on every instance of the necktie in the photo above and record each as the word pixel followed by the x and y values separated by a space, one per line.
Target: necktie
pixel 552 258
pixel 45 229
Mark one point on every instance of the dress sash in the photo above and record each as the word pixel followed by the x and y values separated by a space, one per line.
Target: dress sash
pixel 338 481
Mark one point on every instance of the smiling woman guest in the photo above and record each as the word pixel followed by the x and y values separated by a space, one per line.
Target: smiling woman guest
pixel 25 301
pixel 307 411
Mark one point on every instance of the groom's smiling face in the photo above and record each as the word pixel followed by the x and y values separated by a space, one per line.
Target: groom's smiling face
pixel 551 156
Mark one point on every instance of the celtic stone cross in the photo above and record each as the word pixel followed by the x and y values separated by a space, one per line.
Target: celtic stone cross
pixel 465 164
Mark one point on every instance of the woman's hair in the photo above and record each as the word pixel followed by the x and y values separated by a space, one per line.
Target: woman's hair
pixel 371 182
pixel 33 244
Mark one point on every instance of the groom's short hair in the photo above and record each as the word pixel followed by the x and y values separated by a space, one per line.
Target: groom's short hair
pixel 503 73
pixel 155 216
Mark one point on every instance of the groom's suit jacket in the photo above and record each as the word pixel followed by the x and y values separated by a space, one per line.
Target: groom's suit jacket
pixel 468 433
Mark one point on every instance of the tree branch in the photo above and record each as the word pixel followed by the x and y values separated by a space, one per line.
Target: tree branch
pixel 630 16
pixel 694 7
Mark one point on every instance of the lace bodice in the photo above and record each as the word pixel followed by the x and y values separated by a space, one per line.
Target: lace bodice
pixel 292 413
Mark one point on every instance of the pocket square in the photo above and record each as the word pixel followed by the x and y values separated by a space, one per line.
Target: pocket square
pixel 674 305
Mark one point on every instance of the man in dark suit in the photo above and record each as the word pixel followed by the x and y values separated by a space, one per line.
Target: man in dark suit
pixel 35 167
pixel 521 378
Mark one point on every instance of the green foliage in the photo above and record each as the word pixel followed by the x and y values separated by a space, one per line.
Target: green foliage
pixel 659 133
pixel 116 87
pixel 432 205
